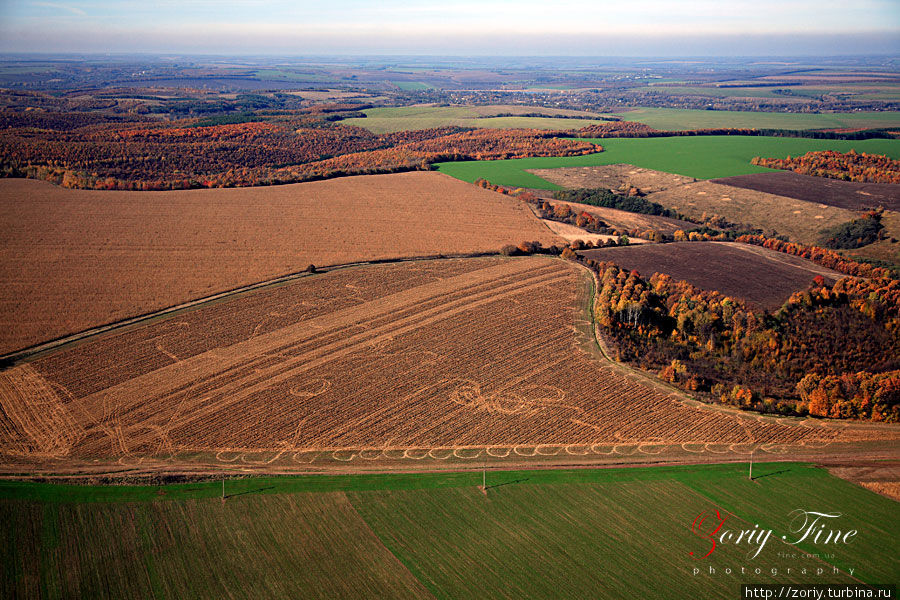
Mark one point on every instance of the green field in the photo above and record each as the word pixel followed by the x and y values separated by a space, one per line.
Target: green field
pixel 391 119
pixel 861 91
pixel 672 119
pixel 747 92
pixel 282 75
pixel 411 85
pixel 703 157
pixel 599 533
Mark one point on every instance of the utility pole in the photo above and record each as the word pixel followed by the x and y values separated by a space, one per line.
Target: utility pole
pixel 223 489
pixel 484 478
pixel 751 464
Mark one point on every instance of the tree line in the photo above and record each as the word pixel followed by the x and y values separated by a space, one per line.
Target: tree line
pixel 787 362
pixel 191 153
pixel 846 166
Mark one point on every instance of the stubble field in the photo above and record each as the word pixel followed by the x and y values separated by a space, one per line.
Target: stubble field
pixel 75 259
pixel 760 276
pixel 801 220
pixel 408 361
pixel 851 195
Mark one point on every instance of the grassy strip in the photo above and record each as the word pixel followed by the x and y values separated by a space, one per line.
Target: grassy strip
pixel 702 157
pixel 51 492
pixel 402 118
pixel 599 533
pixel 618 539
pixel 673 119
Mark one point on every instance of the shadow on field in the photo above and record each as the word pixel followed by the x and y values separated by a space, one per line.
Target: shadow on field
pixel 256 491
pixel 496 485
pixel 770 474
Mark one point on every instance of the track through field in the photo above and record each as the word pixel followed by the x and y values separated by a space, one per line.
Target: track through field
pixel 434 360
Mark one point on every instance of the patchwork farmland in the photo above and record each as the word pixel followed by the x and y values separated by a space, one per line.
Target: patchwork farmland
pixel 75 259
pixel 850 195
pixel 700 157
pixel 402 118
pixel 319 369
pixel 571 533
pixel 346 363
pixel 760 276
pixel 799 219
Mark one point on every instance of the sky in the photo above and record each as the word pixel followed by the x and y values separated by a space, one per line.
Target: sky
pixel 448 27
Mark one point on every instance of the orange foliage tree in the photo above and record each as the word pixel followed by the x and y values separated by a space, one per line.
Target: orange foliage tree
pixel 787 362
pixel 847 166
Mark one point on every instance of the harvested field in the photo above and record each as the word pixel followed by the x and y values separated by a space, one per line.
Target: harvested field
pixel 618 178
pixel 851 195
pixel 571 233
pixel 622 219
pixel 882 477
pixel 886 249
pixel 891 489
pixel 409 360
pixel 760 276
pixel 75 259
pixel 799 220
pixel 801 211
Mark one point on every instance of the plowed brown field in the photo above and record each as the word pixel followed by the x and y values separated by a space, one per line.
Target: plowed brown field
pixel 852 195
pixel 407 360
pixel 75 259
pixel 760 276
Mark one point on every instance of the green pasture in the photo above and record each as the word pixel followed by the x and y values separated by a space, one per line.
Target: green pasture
pixel 703 157
pixel 673 119
pixel 411 85
pixel 741 92
pixel 402 118
pixel 599 533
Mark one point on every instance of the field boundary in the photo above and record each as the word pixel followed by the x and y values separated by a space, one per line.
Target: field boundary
pixel 32 352
pixel 601 349
pixel 49 491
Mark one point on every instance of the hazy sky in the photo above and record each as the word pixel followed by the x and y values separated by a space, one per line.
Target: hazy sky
pixel 467 27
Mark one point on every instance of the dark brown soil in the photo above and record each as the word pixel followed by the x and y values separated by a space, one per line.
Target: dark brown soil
pixel 759 276
pixel 850 195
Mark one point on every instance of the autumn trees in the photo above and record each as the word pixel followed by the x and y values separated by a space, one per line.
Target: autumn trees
pixel 264 150
pixel 831 350
pixel 609 199
pixel 854 234
pixel 820 256
pixel 847 166
pixel 612 129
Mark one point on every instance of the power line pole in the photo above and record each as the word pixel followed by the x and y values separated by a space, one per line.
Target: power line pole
pixel 751 464
pixel 223 488
pixel 484 478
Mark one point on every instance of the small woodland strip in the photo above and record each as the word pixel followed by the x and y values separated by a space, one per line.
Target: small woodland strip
pixel 846 166
pixel 189 154
pixel 830 351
